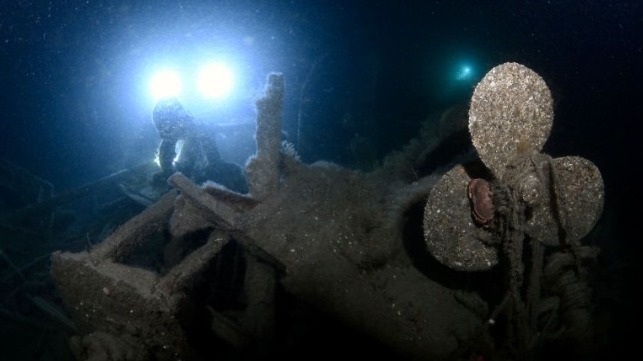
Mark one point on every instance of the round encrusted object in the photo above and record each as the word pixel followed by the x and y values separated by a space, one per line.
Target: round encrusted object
pixel 510 115
pixel 450 233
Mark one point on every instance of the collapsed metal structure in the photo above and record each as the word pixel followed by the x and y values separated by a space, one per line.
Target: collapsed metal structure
pixel 342 241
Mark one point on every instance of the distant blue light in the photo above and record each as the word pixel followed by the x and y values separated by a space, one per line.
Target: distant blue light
pixel 464 73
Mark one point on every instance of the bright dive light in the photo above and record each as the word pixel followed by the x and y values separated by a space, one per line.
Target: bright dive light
pixel 165 84
pixel 465 73
pixel 215 81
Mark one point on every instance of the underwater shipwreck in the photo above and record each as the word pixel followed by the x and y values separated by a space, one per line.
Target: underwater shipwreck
pixel 475 257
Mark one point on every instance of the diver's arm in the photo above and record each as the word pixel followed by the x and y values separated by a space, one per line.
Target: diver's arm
pixel 167 153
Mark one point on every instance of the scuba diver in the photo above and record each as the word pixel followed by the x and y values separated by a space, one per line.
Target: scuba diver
pixel 198 158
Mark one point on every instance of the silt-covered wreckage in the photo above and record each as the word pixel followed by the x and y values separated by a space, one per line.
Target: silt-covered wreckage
pixel 477 258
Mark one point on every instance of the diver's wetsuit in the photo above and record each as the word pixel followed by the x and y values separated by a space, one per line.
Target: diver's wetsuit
pixel 199 158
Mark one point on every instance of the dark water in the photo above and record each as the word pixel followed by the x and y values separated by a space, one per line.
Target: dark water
pixel 75 103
